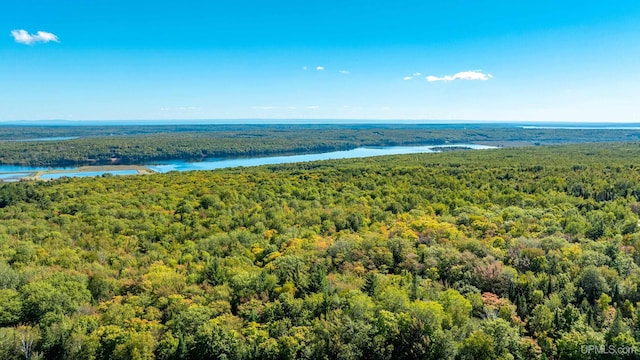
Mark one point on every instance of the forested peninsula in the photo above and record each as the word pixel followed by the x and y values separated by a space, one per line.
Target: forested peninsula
pixel 137 145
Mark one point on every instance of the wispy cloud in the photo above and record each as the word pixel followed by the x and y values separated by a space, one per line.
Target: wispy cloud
pixel 313 107
pixel 23 37
pixel 323 68
pixel 410 77
pixel 464 75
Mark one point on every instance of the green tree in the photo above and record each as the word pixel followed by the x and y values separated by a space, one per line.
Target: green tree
pixel 10 307
pixel 593 284
pixel 478 346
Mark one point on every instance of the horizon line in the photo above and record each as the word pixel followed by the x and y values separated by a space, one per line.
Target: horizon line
pixel 317 121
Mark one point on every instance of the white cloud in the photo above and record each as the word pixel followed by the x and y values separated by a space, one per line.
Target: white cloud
pixel 304 68
pixel 320 68
pixel 346 72
pixel 406 78
pixel 313 107
pixel 416 74
pixel 464 75
pixel 23 37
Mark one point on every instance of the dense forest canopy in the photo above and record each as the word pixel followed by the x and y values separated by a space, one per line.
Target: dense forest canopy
pixel 529 253
pixel 142 144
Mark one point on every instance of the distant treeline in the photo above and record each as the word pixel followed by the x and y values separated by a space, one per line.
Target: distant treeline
pixel 140 144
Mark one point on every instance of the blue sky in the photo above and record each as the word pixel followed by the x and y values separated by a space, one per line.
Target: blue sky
pixel 389 60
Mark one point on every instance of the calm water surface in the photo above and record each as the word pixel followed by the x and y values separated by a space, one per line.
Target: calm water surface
pixel 211 164
pixel 88 173
pixel 58 138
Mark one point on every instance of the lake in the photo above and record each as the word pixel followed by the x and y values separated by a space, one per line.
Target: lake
pixel 212 164
pixel 57 138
